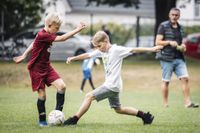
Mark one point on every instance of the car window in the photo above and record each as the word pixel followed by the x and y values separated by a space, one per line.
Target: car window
pixel 193 39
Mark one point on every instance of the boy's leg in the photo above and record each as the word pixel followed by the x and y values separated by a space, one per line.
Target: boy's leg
pixel 115 103
pixel 91 83
pixel 41 107
pixel 82 84
pixel 146 117
pixel 99 94
pixel 60 96
pixel 82 110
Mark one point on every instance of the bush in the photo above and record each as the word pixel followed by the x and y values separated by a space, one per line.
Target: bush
pixel 119 33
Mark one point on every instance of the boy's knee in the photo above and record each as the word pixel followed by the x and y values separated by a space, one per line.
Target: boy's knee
pixel 42 97
pixel 89 96
pixel 62 87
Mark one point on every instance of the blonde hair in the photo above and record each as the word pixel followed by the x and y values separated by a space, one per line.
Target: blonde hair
pixel 100 36
pixel 53 18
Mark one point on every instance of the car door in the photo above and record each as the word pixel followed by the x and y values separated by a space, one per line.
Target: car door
pixel 62 50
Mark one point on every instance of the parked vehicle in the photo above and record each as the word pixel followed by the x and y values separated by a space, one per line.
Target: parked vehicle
pixel 60 50
pixel 192 42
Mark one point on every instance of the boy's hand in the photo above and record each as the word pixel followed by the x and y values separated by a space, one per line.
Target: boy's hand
pixel 69 60
pixel 19 59
pixel 81 26
pixel 157 48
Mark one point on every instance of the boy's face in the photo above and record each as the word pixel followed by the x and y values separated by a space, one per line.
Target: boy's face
pixel 102 46
pixel 53 28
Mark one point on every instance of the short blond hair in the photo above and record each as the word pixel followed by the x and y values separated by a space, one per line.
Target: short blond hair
pixel 53 18
pixel 100 36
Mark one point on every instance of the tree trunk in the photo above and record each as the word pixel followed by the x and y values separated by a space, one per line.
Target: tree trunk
pixel 162 8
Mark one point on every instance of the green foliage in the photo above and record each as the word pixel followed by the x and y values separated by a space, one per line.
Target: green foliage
pixel 20 15
pixel 192 29
pixel 119 33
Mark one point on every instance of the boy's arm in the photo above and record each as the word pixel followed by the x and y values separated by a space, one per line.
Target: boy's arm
pixel 70 34
pixel 20 58
pixel 78 57
pixel 145 49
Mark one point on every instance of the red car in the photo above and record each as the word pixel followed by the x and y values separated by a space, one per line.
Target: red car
pixel 192 43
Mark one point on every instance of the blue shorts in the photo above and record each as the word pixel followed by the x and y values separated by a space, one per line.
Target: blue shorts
pixel 87 73
pixel 178 66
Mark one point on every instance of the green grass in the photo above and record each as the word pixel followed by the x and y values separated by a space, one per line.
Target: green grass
pixel 18 113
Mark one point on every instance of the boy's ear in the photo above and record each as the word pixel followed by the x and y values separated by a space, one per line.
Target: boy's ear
pixel 49 26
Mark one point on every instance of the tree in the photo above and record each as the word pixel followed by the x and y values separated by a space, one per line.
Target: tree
pixel 162 7
pixel 20 15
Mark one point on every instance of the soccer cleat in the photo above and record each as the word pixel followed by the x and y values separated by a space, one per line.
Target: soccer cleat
pixel 192 105
pixel 148 118
pixel 43 124
pixel 71 121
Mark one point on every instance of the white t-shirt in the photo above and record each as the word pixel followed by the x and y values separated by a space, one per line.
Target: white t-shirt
pixel 112 61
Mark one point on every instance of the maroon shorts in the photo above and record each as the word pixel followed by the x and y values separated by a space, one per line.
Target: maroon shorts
pixel 40 79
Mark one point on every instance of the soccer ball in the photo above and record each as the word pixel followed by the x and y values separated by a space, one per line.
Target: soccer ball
pixel 56 118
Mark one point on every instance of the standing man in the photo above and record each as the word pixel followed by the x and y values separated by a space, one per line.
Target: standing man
pixel 170 35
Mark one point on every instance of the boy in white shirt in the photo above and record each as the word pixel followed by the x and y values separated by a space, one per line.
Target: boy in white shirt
pixel 112 56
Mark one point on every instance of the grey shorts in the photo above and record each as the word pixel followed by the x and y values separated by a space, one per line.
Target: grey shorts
pixel 103 92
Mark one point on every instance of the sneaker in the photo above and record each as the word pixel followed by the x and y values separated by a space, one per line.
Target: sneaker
pixel 71 121
pixel 192 105
pixel 148 118
pixel 43 124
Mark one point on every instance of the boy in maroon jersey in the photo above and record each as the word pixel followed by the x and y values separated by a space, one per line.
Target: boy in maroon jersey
pixel 40 70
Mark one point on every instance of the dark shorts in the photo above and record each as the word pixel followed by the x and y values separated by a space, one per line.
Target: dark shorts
pixel 40 79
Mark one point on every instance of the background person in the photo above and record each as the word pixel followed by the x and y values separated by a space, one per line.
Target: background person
pixel 170 35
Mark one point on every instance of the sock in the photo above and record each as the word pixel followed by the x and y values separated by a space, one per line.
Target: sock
pixel 75 118
pixel 41 109
pixel 60 99
pixel 140 114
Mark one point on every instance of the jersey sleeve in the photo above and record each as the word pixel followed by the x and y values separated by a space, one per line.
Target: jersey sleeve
pixel 95 53
pixel 124 51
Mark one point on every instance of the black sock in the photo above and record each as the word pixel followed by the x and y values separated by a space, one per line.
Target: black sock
pixel 60 99
pixel 75 118
pixel 41 109
pixel 83 84
pixel 140 114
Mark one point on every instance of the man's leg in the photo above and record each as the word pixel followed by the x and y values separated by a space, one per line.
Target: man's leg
pixel 186 90
pixel 165 92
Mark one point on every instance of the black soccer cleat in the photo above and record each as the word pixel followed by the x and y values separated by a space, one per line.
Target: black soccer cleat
pixel 148 118
pixel 71 121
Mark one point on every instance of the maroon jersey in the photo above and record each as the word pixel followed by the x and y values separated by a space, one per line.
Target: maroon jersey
pixel 41 51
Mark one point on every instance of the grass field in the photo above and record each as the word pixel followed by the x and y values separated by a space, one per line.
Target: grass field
pixel 18 112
